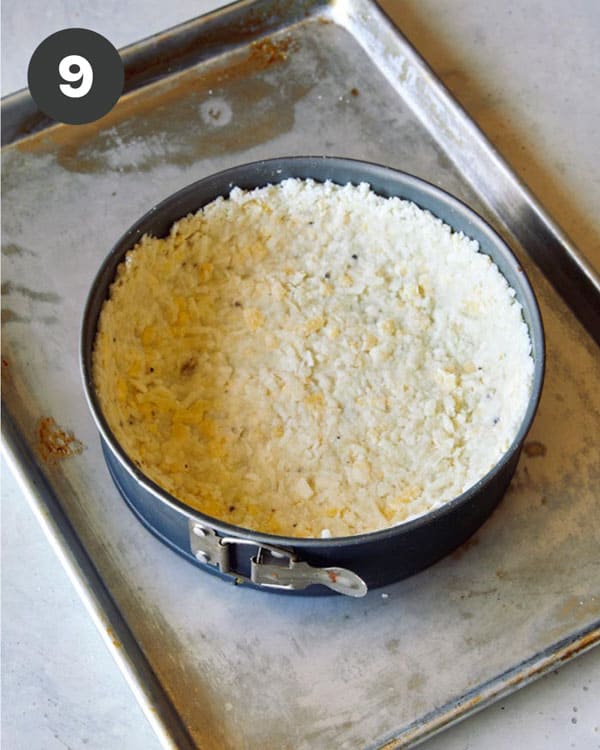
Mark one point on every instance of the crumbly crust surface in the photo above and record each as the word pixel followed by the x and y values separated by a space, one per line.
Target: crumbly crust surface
pixel 310 360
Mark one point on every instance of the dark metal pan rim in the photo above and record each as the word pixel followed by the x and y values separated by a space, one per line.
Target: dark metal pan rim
pixel 100 287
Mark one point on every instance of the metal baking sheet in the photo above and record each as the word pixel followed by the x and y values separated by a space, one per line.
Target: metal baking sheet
pixel 220 666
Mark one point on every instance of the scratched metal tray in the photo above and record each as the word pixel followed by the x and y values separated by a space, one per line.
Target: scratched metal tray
pixel 219 666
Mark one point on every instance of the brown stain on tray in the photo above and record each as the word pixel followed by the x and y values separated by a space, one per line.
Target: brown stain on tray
pixel 54 443
pixel 113 637
pixel 267 51
pixel 534 449
pixel 209 39
pixel 227 106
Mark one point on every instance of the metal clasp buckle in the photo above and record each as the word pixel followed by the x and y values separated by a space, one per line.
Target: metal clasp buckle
pixel 271 567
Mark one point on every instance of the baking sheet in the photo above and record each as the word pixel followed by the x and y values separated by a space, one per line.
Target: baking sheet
pixel 237 668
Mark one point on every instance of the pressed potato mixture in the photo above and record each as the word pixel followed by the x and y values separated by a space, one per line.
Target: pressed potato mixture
pixel 312 360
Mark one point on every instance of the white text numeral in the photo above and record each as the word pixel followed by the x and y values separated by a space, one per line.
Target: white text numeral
pixel 75 69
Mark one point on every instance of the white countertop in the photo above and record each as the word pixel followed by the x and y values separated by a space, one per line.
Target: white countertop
pixel 529 73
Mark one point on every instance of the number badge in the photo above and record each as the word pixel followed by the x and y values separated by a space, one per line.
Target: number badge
pixel 75 76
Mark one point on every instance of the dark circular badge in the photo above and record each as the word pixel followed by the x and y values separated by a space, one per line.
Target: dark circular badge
pixel 75 76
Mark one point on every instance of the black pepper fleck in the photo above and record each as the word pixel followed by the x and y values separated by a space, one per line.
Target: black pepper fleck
pixel 327 275
pixel 354 256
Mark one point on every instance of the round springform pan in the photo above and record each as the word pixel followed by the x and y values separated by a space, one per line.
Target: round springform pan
pixel 349 565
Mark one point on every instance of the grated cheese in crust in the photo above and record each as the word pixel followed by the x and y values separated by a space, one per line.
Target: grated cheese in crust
pixel 310 360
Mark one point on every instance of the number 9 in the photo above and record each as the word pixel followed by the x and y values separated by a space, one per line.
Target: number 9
pixel 84 73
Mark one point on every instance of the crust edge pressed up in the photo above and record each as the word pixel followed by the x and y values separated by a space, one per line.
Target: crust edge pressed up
pixel 311 360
